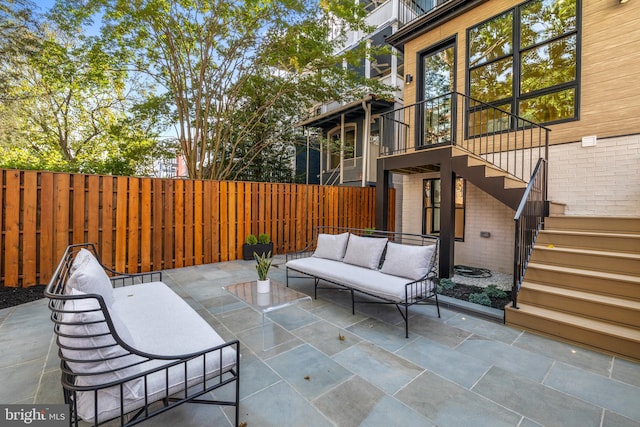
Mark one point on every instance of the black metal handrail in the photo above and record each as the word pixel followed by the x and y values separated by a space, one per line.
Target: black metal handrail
pixel 509 142
pixel 529 220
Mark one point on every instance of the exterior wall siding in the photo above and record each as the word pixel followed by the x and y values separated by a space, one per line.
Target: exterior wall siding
pixel 595 180
pixel 482 213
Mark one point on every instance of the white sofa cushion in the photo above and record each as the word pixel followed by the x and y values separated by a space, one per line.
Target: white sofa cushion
pixel 365 251
pixel 408 261
pixel 371 281
pixel 162 323
pixel 88 276
pixel 85 338
pixel 331 246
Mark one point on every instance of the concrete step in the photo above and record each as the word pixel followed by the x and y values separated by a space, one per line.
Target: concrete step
pixel 611 242
pixel 612 262
pixel 603 336
pixel 595 306
pixel 605 283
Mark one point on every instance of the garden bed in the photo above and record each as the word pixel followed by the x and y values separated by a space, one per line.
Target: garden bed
pixel 488 296
pixel 10 296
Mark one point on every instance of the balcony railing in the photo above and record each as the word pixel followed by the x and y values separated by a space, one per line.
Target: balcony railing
pixel 413 9
pixel 511 143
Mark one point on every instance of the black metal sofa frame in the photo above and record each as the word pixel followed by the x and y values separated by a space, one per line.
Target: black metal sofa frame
pixel 148 364
pixel 419 291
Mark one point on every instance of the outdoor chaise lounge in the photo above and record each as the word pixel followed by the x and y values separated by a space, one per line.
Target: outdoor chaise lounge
pixel 130 348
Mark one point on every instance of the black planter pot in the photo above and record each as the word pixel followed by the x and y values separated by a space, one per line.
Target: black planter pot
pixel 260 249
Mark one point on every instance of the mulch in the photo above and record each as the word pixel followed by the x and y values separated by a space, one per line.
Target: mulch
pixel 10 296
pixel 462 292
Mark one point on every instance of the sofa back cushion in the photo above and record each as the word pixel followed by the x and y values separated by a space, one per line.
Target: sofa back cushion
pixel 331 246
pixel 88 276
pixel 365 251
pixel 412 262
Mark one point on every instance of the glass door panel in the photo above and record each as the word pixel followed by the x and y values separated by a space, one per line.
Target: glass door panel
pixel 437 98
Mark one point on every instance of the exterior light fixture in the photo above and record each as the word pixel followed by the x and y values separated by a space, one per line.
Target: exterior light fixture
pixel 408 78
pixel 623 1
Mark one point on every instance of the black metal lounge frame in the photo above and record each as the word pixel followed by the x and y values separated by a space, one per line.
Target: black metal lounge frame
pixel 419 288
pixel 188 393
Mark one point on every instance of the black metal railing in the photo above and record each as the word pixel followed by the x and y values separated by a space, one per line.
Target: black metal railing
pixel 529 220
pixel 513 144
pixel 413 9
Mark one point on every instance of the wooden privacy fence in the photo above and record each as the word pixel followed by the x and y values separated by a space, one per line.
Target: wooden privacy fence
pixel 145 224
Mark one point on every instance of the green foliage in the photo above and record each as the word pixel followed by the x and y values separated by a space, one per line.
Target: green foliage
pixel 445 284
pixel 264 238
pixel 494 292
pixel 251 239
pixel 481 298
pixel 263 263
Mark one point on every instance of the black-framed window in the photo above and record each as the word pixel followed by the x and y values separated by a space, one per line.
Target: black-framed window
pixel 526 61
pixel 431 191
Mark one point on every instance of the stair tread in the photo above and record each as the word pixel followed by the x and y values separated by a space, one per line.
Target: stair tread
pixel 573 293
pixel 629 255
pixel 580 271
pixel 628 333
pixel 595 233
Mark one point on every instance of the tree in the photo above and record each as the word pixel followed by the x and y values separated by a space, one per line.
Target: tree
pixel 238 73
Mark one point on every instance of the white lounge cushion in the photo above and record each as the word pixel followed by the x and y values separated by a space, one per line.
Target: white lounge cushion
pixel 331 246
pixel 162 323
pixel 384 285
pixel 365 251
pixel 95 352
pixel 408 261
pixel 88 276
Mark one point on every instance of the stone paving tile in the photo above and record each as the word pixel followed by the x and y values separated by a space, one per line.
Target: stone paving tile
pixel 389 412
pixel 436 330
pixel 309 371
pixel 280 406
pixel 619 397
pixel 268 339
pixel 326 337
pixel 337 315
pixel 485 328
pixel 536 401
pixel 512 359
pixel 350 403
pixel 611 419
pixel 292 318
pixel 573 355
pixel 446 362
pixel 451 405
pixel 20 381
pixel 382 334
pixel 378 366
pixel 626 371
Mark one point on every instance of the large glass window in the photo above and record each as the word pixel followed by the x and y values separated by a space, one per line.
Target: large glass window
pixel 431 206
pixel 525 61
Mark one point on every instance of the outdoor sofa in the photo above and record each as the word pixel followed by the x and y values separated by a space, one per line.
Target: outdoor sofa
pixel 130 348
pixel 385 267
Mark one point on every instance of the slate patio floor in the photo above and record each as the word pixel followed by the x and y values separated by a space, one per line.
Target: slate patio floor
pixel 455 371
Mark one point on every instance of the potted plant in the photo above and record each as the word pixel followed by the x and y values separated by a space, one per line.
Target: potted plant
pixel 259 245
pixel 263 263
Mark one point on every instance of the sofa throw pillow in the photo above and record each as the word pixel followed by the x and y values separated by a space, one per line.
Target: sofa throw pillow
pixel 331 246
pixel 85 338
pixel 365 251
pixel 88 276
pixel 408 261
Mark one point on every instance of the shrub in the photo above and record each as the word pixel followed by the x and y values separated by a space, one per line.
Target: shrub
pixel 482 299
pixel 445 284
pixel 264 238
pixel 251 240
pixel 493 292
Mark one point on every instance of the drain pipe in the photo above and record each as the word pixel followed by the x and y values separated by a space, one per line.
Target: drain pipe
pixel 366 132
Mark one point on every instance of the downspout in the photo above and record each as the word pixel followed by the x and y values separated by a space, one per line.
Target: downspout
pixel 308 152
pixel 321 162
pixel 366 132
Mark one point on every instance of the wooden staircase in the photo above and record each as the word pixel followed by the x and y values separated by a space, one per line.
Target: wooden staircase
pixel 582 284
pixel 488 177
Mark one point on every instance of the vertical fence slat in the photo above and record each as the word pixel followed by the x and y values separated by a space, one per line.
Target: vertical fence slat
pixel 179 223
pixel 215 222
pixel 29 228
pixel 133 237
pixel 158 222
pixel 107 235
pixel 93 209
pixel 198 238
pixel 188 222
pixel 45 213
pixel 240 212
pixel 11 250
pixel 121 208
pixel 224 221
pixel 168 231
pixel 61 184
pixel 78 209
pixel 146 227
